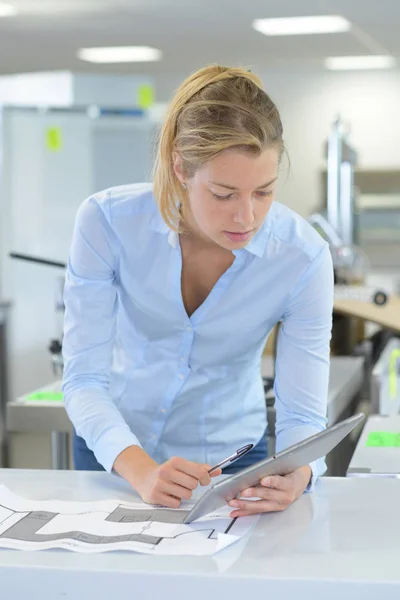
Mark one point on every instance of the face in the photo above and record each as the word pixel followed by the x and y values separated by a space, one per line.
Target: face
pixel 230 196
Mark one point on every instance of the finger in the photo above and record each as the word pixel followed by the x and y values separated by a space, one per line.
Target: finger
pixel 205 479
pixel 267 494
pixel 168 501
pixel 216 473
pixel 170 488
pixel 190 468
pixel 254 507
pixel 276 482
pixel 162 499
pixel 243 513
pixel 184 480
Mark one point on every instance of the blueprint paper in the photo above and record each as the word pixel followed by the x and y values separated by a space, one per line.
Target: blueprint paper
pixel 109 525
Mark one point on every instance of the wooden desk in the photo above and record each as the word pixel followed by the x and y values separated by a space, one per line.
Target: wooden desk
pixel 387 316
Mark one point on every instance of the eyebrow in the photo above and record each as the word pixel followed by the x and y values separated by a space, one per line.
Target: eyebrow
pixel 229 187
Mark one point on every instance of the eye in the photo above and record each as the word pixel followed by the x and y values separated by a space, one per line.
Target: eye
pixel 260 194
pixel 227 197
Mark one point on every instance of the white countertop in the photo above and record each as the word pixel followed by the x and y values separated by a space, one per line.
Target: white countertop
pixel 342 541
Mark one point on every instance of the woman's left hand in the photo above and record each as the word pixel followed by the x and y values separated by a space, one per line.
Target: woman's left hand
pixel 276 493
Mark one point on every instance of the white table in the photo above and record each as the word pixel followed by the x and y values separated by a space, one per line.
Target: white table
pixel 372 461
pixel 342 541
pixel 43 417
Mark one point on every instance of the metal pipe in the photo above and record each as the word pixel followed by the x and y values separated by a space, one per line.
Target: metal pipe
pixel 4 454
pixel 333 178
pixel 346 196
pixel 59 450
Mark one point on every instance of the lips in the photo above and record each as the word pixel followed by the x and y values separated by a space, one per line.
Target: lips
pixel 238 237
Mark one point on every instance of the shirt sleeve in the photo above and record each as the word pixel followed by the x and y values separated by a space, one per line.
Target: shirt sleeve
pixel 302 367
pixel 90 297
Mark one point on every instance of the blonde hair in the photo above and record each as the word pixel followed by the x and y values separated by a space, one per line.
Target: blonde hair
pixel 214 109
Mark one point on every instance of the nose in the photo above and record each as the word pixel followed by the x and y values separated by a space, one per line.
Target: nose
pixel 244 215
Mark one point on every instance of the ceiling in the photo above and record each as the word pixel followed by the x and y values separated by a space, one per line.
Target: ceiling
pixel 191 33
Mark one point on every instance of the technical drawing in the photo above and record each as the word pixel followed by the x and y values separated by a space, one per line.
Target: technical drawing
pixel 109 525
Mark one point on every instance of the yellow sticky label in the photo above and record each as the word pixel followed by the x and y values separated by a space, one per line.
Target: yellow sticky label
pixel 395 355
pixel 53 139
pixel 145 97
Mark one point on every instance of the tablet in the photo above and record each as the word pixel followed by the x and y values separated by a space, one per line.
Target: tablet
pixel 294 457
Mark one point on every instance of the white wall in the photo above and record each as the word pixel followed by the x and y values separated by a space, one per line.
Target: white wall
pixel 41 191
pixel 309 101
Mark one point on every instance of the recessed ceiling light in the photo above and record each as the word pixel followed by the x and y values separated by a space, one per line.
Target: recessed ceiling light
pixel 120 54
pixel 6 10
pixel 302 25
pixel 339 63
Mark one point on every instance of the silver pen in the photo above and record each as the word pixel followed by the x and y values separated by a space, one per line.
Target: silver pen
pixel 238 454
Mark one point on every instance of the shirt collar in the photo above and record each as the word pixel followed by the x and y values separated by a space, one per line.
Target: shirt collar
pixel 256 246
pixel 158 224
pixel 258 243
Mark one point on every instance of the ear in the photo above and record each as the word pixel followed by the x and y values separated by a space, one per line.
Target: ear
pixel 178 167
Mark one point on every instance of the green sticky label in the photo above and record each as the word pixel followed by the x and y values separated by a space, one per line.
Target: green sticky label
pixel 145 97
pixel 45 397
pixel 383 439
pixel 53 139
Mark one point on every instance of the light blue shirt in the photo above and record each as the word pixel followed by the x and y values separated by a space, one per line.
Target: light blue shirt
pixel 139 371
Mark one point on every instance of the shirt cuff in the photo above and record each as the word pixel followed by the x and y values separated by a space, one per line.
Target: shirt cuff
pixel 111 444
pixel 318 468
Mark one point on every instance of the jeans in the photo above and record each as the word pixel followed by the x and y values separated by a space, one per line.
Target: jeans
pixel 85 460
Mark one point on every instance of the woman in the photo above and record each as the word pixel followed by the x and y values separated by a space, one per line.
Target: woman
pixel 171 292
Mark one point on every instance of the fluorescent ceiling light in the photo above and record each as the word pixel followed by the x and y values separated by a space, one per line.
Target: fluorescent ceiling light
pixel 302 25
pixel 6 10
pixel 120 54
pixel 338 63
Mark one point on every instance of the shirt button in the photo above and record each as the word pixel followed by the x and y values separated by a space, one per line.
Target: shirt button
pixel 189 328
pixel 182 358
pixel 181 376
pixel 153 437
pixel 163 410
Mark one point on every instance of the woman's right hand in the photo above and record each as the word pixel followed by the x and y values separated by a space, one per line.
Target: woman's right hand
pixel 173 481
pixel 165 484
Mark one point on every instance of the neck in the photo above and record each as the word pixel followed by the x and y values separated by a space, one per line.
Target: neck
pixel 194 237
